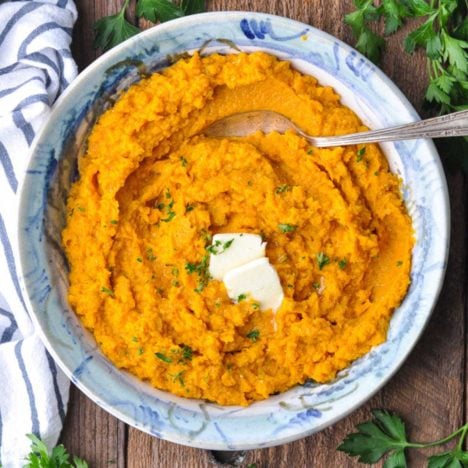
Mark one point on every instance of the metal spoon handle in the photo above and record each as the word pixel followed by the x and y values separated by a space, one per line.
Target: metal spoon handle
pixel 450 125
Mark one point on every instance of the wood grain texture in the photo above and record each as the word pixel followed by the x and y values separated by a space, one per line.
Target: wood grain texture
pixel 430 389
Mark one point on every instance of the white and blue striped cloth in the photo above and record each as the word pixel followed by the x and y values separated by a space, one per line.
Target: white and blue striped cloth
pixel 35 66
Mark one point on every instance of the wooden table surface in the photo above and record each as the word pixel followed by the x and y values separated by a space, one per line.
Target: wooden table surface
pixel 430 390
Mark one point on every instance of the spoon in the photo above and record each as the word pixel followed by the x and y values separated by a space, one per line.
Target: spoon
pixel 245 123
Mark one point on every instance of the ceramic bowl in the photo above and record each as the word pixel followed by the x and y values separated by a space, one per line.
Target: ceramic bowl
pixel 304 409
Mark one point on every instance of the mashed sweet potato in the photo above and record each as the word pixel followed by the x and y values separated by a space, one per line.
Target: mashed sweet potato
pixel 151 192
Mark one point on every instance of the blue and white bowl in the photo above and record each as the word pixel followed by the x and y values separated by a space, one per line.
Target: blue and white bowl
pixel 304 409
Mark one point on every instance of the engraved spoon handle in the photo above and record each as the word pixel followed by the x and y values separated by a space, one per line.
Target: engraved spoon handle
pixel 450 125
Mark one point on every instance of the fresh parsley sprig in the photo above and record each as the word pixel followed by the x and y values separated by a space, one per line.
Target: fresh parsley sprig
pixel 385 435
pixel 40 457
pixel 440 28
pixel 114 29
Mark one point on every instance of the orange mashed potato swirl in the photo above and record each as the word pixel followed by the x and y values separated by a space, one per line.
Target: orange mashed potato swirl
pixel 151 193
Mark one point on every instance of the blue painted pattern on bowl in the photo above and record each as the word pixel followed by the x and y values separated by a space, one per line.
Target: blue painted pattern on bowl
pixel 304 409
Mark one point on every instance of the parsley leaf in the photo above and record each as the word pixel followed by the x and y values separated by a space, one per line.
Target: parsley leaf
pixel 158 10
pixel 191 7
pixel 163 357
pixel 283 188
pixel 386 433
pixel 58 457
pixel 219 247
pixel 285 228
pixel 253 335
pixel 112 30
pixel 201 268
pixel 322 260
pixel 107 291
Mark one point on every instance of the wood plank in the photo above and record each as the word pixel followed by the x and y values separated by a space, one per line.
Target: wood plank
pixel 429 391
pixel 93 434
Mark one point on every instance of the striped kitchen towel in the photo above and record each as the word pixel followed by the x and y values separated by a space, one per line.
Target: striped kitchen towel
pixel 35 66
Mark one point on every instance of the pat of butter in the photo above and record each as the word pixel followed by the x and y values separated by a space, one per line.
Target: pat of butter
pixel 257 280
pixel 226 255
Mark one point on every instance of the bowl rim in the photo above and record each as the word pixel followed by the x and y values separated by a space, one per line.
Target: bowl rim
pixel 108 58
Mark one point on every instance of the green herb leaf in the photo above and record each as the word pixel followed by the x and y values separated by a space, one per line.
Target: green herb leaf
pixel 283 188
pixel 219 247
pixel 342 263
pixel 112 30
pixel 187 353
pixel 394 12
pixel 443 460
pixel 107 291
pixel 163 357
pixel 454 52
pixel 386 433
pixel 322 260
pixel 419 36
pixel 241 297
pixel 58 457
pixel 253 335
pixel 150 255
pixel 178 377
pixel 360 154
pixel 201 268
pixel 285 228
pixel 191 7
pixel 183 161
pixel 158 10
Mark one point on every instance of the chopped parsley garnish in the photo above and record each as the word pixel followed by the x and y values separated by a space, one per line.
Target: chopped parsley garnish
pixel 206 236
pixel 241 297
pixel 163 357
pixel 139 260
pixel 175 283
pixel 219 247
pixel 322 260
pixel 80 208
pixel 167 207
pixel 170 216
pixel 253 335
pixel 399 263
pixel 134 339
pixel 191 267
pixel 255 306
pixel 187 354
pixel 189 208
pixel 178 377
pixel 316 285
pixel 201 268
pixel 183 161
pixel 360 154
pixel 140 350
pixel 342 263
pixel 149 255
pixel 175 271
pixel 114 221
pixel 107 291
pixel 310 151
pixel 285 228
pixel 283 188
